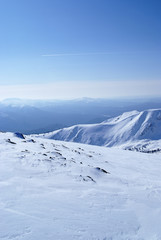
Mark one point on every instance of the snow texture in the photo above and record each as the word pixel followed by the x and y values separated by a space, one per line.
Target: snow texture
pixel 57 190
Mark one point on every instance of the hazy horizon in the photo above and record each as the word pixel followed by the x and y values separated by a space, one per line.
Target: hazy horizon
pixel 78 90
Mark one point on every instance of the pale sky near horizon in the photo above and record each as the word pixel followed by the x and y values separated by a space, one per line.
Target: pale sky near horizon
pixel 65 49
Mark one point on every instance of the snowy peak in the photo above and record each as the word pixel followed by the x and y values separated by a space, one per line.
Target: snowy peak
pixel 122 117
pixel 138 125
pixel 150 124
pixel 130 126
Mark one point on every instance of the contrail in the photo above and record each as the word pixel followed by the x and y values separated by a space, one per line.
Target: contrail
pixel 94 53
pixel 77 54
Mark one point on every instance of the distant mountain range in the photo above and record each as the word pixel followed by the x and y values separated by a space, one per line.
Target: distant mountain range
pixel 41 116
pixel 129 127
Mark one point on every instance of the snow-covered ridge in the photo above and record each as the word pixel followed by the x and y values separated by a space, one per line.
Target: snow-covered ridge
pixel 130 126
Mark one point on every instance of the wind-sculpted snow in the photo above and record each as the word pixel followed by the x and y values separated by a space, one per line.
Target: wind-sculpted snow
pixel 131 126
pixel 57 190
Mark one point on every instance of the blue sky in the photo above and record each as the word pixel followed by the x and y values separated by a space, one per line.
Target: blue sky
pixel 75 43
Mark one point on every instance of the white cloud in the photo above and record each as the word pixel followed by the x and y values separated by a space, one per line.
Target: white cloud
pixel 78 89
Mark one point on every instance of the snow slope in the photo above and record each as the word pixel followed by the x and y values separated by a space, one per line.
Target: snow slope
pixel 130 126
pixel 57 190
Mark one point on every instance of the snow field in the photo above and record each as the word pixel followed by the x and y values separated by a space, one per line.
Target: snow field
pixel 57 190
